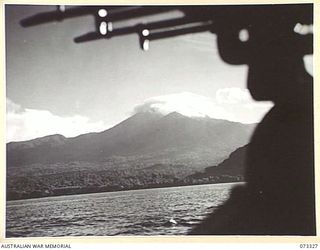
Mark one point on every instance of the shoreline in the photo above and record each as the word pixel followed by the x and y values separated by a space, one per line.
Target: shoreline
pixel 129 189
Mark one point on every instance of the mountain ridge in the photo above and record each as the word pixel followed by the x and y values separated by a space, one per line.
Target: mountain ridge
pixel 175 113
pixel 144 133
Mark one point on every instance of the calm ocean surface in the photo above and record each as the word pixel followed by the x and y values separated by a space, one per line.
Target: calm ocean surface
pixel 137 212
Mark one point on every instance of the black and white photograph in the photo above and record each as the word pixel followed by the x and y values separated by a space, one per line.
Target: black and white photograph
pixel 159 120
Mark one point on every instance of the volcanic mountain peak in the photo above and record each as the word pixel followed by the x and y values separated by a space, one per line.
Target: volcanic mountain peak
pixel 172 136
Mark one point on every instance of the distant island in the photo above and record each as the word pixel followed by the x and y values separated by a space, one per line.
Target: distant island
pixel 148 150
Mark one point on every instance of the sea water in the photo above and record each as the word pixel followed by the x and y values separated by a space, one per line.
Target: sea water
pixel 159 211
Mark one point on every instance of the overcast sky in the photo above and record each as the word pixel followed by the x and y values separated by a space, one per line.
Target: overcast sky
pixel 57 86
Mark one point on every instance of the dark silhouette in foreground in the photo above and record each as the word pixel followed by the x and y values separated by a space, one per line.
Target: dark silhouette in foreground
pixel 278 198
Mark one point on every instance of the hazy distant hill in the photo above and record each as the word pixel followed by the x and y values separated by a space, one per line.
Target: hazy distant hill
pixel 232 167
pixel 172 136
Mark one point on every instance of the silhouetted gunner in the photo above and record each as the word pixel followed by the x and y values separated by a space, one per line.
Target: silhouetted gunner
pixel 278 198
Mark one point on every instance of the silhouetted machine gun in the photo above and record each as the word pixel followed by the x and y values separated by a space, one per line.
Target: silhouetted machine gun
pixel 278 197
pixel 261 22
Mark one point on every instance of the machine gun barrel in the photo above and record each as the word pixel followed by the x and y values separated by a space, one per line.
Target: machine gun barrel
pixel 57 15
pixel 114 13
pixel 156 30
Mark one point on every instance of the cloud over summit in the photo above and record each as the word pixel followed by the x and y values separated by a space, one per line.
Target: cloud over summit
pixel 233 104
pixel 185 103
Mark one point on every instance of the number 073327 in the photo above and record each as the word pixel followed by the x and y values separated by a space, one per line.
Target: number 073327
pixel 308 246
